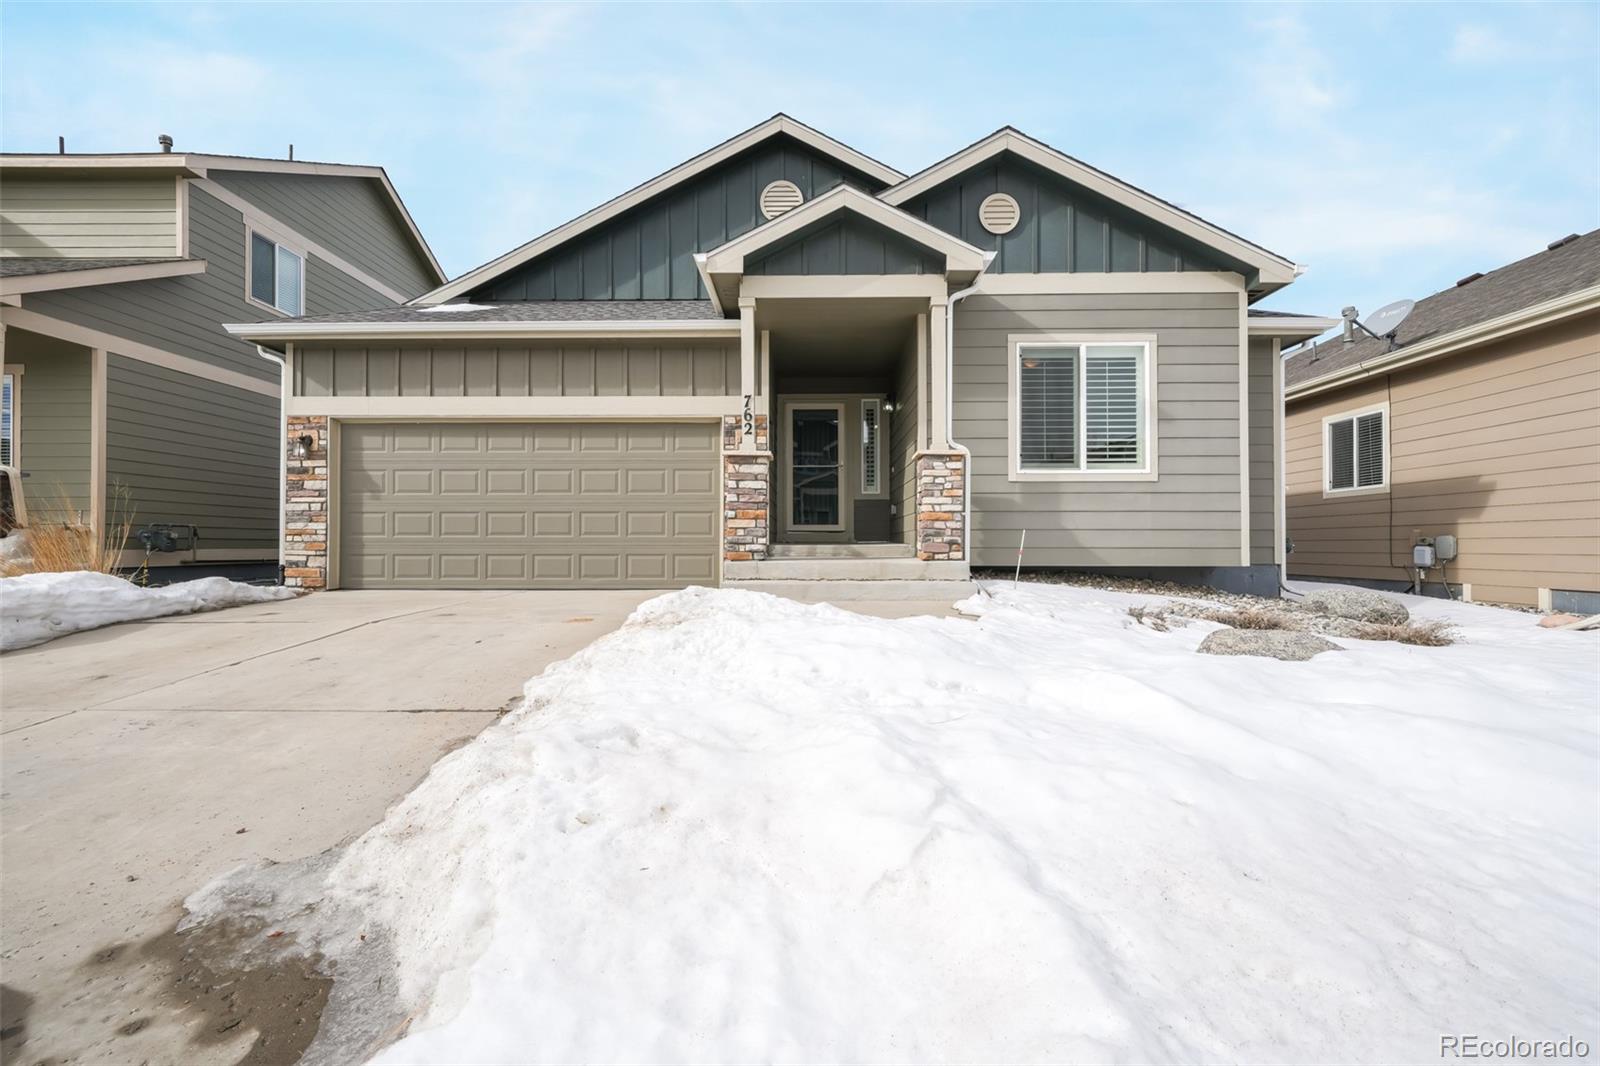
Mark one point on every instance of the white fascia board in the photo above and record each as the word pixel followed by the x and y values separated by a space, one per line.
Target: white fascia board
pixel 655 186
pixel 79 279
pixel 1301 326
pixel 1542 314
pixel 1273 268
pixel 959 255
pixel 291 330
pixel 155 162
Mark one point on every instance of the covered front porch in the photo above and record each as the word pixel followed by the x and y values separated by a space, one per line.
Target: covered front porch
pixel 841 454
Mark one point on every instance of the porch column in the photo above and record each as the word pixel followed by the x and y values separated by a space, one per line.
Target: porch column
pixel 938 369
pixel 747 374
pixel 941 471
pixel 746 460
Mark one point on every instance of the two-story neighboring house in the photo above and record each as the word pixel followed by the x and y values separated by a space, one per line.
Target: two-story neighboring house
pixel 784 359
pixel 123 394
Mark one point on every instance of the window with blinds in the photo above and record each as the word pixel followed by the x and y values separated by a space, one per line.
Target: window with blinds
pixel 871 449
pixel 1081 407
pixel 277 275
pixel 8 400
pixel 1355 452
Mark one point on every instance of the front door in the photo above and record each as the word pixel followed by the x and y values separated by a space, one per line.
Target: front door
pixel 816 448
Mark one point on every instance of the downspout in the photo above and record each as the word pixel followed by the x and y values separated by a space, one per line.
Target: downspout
pixel 1282 548
pixel 283 437
pixel 950 406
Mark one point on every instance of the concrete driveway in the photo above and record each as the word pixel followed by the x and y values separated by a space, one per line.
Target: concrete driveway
pixel 139 761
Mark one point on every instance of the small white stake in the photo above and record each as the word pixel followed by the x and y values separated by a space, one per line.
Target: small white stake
pixel 1020 545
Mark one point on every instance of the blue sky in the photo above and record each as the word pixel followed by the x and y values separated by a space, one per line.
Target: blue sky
pixel 1391 148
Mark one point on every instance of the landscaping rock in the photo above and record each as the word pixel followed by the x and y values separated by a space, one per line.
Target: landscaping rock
pixel 1363 605
pixel 1288 645
pixel 1556 621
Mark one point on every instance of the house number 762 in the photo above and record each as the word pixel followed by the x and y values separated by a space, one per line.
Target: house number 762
pixel 749 418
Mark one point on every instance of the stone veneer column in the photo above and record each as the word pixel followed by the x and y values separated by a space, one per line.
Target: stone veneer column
pixel 305 514
pixel 941 498
pixel 746 492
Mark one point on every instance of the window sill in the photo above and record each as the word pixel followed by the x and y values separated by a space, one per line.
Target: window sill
pixel 1083 475
pixel 1371 490
pixel 253 302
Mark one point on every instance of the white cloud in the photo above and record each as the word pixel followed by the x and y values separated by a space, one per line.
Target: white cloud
pixel 1480 44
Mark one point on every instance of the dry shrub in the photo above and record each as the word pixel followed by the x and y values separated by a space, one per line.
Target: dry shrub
pixel 1434 634
pixel 62 545
pixel 1249 618
pixel 1157 618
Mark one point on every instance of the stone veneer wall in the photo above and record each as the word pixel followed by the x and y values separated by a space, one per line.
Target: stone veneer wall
pixel 305 516
pixel 746 492
pixel 941 498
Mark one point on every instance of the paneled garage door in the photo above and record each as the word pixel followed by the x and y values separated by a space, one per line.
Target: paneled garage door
pixel 527 505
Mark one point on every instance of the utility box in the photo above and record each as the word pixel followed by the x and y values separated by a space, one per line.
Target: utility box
pixel 165 538
pixel 1444 547
pixel 1422 556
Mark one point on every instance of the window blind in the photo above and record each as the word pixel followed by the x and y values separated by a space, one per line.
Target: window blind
pixel 1341 454
pixel 870 420
pixel 289 269
pixel 6 401
pixel 1369 449
pixel 1048 400
pixel 263 271
pixel 1111 408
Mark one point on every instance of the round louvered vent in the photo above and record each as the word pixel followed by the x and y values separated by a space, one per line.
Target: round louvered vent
pixel 999 213
pixel 780 196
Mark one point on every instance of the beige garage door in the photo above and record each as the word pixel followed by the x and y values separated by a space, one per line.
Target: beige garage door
pixel 527 505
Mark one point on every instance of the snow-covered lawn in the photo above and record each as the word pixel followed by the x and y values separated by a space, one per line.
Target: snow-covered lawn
pixel 35 608
pixel 742 828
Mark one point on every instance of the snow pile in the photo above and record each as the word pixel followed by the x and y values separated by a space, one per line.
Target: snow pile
pixel 446 309
pixel 743 828
pixel 35 608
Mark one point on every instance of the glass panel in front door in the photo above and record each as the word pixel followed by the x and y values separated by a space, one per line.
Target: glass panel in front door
pixel 814 465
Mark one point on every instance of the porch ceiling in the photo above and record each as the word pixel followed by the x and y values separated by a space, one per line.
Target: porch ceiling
pixel 837 336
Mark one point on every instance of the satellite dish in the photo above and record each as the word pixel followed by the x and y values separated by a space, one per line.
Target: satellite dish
pixel 1386 320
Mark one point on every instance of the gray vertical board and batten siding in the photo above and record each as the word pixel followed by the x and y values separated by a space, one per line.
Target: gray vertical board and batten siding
pixel 558 368
pixel 1063 228
pixel 1190 516
pixel 1263 455
pixel 647 252
pixel 215 467
pixel 848 246
pixel 351 217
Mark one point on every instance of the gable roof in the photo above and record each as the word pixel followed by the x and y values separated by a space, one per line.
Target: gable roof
pixel 196 165
pixel 772 127
pixel 963 262
pixel 1562 279
pixel 1274 270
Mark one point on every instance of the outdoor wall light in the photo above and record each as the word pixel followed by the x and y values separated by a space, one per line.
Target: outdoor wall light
pixel 302 447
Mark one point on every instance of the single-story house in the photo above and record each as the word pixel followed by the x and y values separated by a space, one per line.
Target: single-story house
pixel 123 397
pixel 1478 421
pixel 786 359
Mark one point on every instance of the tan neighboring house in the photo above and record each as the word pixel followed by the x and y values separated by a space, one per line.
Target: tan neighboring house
pixel 122 393
pixel 1480 422
pixel 785 360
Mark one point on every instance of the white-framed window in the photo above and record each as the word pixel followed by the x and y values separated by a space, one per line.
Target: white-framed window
pixel 276 275
pixel 10 401
pixel 1355 451
pixel 871 447
pixel 1081 408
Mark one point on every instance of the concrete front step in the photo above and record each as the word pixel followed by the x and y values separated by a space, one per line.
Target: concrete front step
pixel 844 591
pixel 844 570
pixel 842 551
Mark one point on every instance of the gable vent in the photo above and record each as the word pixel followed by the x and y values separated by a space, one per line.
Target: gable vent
pixel 780 196
pixel 999 213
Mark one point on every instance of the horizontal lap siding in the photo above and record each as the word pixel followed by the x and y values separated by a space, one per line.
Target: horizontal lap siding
pixel 1190 516
pixel 181 449
pixel 904 444
pixel 351 217
pixel 54 417
pixel 1500 448
pixel 1263 454
pixel 634 369
pixel 90 218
